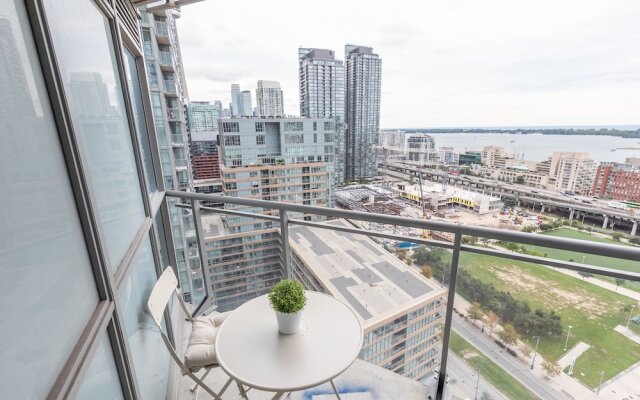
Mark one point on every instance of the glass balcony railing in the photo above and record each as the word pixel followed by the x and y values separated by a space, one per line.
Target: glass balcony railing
pixel 173 114
pixel 165 58
pixel 181 162
pixel 177 140
pixel 170 87
pixel 477 312
pixel 161 28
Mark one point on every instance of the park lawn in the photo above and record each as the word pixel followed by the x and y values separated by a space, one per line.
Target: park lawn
pixel 592 259
pixel 489 370
pixel 592 311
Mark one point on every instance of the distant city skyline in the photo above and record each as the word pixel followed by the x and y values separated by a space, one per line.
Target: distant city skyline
pixel 499 64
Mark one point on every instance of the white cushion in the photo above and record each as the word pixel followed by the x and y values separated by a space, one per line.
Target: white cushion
pixel 219 318
pixel 200 349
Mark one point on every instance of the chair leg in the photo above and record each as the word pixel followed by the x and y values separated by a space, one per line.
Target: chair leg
pixel 226 385
pixel 206 372
pixel 205 387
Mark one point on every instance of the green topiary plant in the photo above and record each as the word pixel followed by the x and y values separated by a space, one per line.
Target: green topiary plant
pixel 287 296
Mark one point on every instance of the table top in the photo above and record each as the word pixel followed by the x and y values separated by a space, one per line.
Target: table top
pixel 250 349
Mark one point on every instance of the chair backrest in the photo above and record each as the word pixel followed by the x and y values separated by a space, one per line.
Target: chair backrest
pixel 160 296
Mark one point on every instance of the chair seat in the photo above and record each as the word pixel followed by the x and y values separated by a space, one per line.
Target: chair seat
pixel 200 350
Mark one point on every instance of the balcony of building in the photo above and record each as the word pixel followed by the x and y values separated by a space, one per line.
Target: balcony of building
pixel 446 349
pixel 166 61
pixel 173 114
pixel 170 88
pixel 162 32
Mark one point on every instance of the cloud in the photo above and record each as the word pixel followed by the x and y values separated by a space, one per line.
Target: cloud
pixel 453 63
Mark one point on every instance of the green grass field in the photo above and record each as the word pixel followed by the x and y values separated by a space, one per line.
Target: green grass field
pixel 591 259
pixel 592 311
pixel 489 370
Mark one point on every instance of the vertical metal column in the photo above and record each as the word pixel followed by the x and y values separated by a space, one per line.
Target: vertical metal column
pixel 284 237
pixel 446 334
pixel 197 221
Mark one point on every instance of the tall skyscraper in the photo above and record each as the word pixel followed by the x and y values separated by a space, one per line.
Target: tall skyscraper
pixel 236 102
pixel 269 98
pixel 203 117
pixel 203 137
pixel 362 110
pixel 168 97
pixel 246 107
pixel 322 95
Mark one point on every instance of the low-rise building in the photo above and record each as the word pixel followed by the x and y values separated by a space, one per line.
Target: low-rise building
pixel 438 198
pixel 400 310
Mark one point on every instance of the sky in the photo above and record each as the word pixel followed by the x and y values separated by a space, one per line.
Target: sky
pixel 454 63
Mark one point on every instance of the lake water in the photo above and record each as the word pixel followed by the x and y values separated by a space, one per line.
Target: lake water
pixel 538 147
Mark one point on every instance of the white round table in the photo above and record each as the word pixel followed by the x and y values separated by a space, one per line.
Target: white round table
pixel 250 349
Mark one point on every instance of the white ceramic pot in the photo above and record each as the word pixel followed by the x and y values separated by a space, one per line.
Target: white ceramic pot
pixel 288 324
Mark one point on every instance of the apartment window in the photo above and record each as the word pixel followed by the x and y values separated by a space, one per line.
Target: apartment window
pixel 49 291
pixel 230 127
pixel 315 137
pixel 294 138
pixel 151 366
pixel 259 126
pixel 315 126
pixel 101 380
pixel 293 126
pixel 92 82
pixel 328 137
pixel 133 83
pixel 260 139
pixel 232 140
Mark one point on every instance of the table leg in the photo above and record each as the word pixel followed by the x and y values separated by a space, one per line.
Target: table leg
pixel 335 390
pixel 278 396
pixel 243 392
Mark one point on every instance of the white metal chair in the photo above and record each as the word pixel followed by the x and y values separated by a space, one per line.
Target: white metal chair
pixel 200 352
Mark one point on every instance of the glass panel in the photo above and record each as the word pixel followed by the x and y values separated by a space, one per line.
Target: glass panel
pixel 88 67
pixel 138 115
pixel 47 289
pixel 161 239
pixel 101 381
pixel 150 356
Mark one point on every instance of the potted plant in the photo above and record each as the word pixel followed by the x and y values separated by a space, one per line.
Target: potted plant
pixel 287 299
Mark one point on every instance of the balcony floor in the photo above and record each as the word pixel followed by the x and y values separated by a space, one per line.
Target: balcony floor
pixel 362 381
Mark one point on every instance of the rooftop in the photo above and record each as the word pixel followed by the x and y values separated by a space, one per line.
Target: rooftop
pixel 360 272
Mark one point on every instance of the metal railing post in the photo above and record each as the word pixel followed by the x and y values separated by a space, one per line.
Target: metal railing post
pixel 284 237
pixel 197 221
pixel 446 333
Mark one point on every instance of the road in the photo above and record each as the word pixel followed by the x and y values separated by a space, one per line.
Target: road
pixel 463 381
pixel 516 368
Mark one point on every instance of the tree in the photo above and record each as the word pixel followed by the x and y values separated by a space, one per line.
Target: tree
pixel 427 272
pixel 475 311
pixel 526 350
pixel 486 396
pixel 634 240
pixel 520 180
pixel 585 275
pixel 508 335
pixel 616 236
pixel 552 369
pixel 619 282
pixel 491 320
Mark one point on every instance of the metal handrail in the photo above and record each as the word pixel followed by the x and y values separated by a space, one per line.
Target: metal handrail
pixel 603 249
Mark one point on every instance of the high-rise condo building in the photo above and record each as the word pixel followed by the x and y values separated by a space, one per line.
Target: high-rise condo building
pixel 422 149
pixel 573 172
pixel 280 159
pixel 246 106
pixel 203 135
pixel 362 111
pixel 269 98
pixel 322 96
pixel 168 98
pixel 236 101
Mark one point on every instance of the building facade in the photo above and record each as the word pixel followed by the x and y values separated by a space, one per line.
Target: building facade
pixel 493 156
pixel 322 96
pixel 278 159
pixel 422 149
pixel 617 181
pixel 246 106
pixel 269 98
pixel 168 98
pixel 203 116
pixel 236 101
pixel 573 172
pixel 401 311
pixel 362 111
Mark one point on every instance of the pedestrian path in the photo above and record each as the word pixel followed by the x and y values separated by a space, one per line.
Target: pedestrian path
pixel 573 354
pixel 631 335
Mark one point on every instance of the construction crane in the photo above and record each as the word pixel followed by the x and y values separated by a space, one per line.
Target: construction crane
pixel 385 153
pixel 425 232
